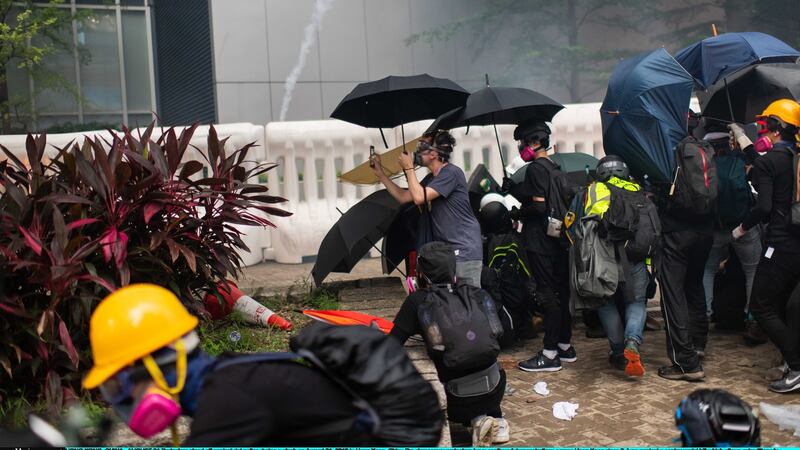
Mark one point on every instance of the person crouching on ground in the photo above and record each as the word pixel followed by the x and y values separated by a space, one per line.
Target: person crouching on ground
pixel 149 367
pixel 459 325
pixel 444 193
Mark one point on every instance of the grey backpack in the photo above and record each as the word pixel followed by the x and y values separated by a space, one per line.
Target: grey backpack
pixel 594 273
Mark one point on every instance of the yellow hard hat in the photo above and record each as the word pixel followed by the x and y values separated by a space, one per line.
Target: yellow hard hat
pixel 131 323
pixel 788 111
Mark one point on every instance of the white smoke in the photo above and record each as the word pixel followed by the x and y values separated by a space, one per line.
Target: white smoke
pixel 320 8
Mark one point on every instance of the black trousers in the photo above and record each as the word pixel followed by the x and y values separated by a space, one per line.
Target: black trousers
pixel 774 304
pixel 680 265
pixel 551 273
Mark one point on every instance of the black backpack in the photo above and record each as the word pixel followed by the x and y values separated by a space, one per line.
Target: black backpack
pixel 734 196
pixel 622 218
pixel 647 234
pixel 693 195
pixel 376 371
pixel 560 190
pixel 460 324
pixel 507 278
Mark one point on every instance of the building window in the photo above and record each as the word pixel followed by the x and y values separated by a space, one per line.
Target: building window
pixel 114 86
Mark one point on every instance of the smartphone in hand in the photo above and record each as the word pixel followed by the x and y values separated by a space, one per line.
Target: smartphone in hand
pixel 371 155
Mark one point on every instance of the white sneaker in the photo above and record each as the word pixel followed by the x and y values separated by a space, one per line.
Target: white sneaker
pixel 503 434
pixel 484 430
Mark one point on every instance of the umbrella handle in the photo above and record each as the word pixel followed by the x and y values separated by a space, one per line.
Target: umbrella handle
pixel 499 148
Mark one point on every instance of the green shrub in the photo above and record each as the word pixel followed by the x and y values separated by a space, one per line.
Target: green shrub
pixel 105 214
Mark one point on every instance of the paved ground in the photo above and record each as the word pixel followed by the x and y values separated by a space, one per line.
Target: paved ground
pixel 614 410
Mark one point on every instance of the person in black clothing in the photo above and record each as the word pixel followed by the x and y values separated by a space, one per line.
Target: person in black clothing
pixel 436 267
pixel 680 265
pixel 149 367
pixel 778 272
pixel 549 260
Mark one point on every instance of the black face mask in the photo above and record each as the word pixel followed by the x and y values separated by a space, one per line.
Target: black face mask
pixel 417 159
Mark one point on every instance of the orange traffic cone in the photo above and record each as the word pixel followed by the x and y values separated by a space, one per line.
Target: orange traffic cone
pixel 252 311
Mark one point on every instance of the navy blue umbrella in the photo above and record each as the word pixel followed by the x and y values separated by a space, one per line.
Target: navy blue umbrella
pixel 645 111
pixel 711 59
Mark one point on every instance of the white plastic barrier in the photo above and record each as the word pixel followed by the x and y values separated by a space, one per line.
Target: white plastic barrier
pixel 311 154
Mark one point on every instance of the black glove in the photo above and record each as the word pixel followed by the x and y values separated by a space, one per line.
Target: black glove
pixel 515 213
pixel 507 186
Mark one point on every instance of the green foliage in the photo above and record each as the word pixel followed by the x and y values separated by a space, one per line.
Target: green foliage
pixel 105 214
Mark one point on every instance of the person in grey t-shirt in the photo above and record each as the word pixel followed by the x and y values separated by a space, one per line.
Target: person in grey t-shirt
pixel 446 190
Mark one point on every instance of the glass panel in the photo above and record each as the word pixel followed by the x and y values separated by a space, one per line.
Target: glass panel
pixel 300 165
pixel 103 121
pixel 94 2
pixel 137 68
pixel 338 164
pixel 100 77
pixel 59 96
pixel 57 124
pixel 19 100
pixel 139 120
pixel 467 162
pixel 131 2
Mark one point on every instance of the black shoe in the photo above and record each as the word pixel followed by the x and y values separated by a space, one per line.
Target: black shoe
pixel 676 373
pixel 540 363
pixel 753 335
pixel 790 382
pixel 617 361
pixel 568 355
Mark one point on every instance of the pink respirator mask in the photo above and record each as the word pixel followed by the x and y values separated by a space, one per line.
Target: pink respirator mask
pixel 762 144
pixel 157 408
pixel 527 153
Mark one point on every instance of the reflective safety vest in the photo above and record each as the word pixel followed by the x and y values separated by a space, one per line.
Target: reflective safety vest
pixel 598 196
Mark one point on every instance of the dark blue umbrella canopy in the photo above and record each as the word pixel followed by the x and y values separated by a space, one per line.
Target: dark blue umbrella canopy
pixel 645 111
pixel 711 59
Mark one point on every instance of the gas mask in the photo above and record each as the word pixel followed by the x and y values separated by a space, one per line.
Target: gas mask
pixel 157 407
pixel 527 153
pixel 762 144
pixel 417 158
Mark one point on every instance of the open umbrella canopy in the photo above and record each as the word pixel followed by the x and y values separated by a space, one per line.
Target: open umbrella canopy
pixel 751 90
pixel 644 113
pixel 507 105
pixel 337 317
pixel 712 59
pixel 395 100
pixel 351 237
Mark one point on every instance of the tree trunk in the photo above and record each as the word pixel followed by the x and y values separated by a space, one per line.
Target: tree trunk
pixel 572 39
pixel 5 112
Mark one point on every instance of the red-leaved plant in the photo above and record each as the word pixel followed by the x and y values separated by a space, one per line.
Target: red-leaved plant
pixel 105 214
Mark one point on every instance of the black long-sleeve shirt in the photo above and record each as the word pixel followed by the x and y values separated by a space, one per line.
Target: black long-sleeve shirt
pixel 772 178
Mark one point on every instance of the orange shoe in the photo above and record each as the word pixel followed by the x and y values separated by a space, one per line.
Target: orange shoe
pixel 634 368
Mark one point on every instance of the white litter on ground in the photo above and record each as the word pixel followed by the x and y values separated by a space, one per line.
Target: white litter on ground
pixel 786 417
pixel 541 389
pixel 565 410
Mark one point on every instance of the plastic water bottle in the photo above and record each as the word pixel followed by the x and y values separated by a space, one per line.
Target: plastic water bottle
pixel 431 329
pixel 491 313
pixel 234 336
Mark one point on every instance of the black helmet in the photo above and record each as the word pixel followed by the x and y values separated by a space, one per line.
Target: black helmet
pixel 532 131
pixel 611 165
pixel 495 218
pixel 715 417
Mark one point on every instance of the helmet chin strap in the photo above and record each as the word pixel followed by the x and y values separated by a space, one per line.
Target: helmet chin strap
pixel 161 381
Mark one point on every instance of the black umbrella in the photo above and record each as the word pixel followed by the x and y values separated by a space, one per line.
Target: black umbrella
pixel 506 105
pixel 359 228
pixel 751 90
pixel 396 100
